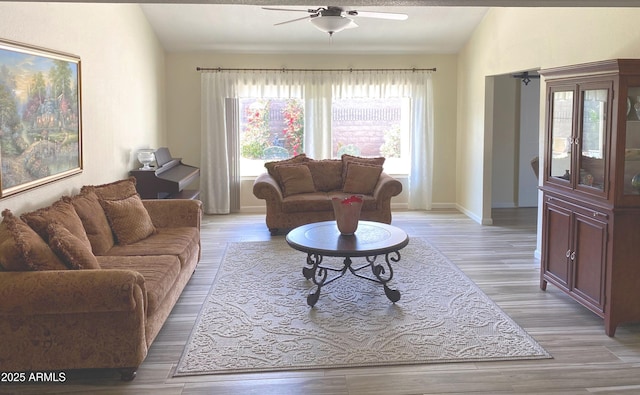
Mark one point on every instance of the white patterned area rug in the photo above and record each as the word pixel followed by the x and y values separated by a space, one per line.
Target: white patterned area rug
pixel 256 316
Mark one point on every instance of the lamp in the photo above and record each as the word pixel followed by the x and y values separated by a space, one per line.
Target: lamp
pixel 332 23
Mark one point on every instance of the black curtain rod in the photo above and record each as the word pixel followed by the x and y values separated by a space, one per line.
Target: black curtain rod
pixel 284 69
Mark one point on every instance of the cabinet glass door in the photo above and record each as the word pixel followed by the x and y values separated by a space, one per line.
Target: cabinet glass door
pixel 592 139
pixel 631 180
pixel 561 134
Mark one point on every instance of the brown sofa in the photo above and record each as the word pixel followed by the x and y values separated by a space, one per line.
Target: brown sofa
pixel 299 190
pixel 89 281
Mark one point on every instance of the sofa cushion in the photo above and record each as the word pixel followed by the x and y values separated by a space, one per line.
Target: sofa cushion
pixel 271 166
pixel 316 201
pixel 295 179
pixel 369 203
pixel 160 273
pixel 180 241
pixel 61 212
pixel 116 190
pixel 346 159
pixel 94 220
pixel 326 174
pixel 361 178
pixel 22 249
pixel 74 252
pixel 129 220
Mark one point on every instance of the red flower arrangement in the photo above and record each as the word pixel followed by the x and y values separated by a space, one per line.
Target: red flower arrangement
pixel 352 199
pixel 294 126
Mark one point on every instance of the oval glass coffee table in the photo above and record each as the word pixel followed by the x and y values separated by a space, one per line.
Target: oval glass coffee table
pixel 370 241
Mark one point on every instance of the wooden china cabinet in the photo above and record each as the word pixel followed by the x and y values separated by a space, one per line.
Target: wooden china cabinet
pixel 591 200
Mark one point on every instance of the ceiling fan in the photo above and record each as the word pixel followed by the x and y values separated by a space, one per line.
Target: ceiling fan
pixel 333 19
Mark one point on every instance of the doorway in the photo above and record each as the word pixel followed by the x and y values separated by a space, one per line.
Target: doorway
pixel 515 143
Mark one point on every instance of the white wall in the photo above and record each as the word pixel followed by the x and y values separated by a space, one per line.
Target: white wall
pixel 122 66
pixel 183 111
pixel 528 144
pixel 515 128
pixel 505 112
pixel 513 39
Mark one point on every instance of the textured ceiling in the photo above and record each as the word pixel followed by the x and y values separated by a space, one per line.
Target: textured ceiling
pixel 249 28
pixel 242 26
pixel 466 3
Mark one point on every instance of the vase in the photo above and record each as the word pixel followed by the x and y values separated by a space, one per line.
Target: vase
pixel 146 157
pixel 635 182
pixel 347 213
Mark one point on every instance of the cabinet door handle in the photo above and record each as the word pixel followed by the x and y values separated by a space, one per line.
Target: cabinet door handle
pixel 576 141
pixel 573 256
pixel 568 254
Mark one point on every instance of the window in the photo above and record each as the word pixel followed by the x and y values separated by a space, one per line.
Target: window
pixel 221 90
pixel 273 129
pixel 372 127
pixel 270 129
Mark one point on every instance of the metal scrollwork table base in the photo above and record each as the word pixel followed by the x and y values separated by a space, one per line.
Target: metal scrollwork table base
pixel 378 243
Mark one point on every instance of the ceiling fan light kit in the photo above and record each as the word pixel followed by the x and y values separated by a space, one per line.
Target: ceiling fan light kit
pixel 333 19
pixel 332 24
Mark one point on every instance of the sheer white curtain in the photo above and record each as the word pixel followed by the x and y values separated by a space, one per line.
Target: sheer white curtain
pixel 220 181
pixel 401 84
pixel 220 175
pixel 216 181
pixel 317 115
pixel 421 169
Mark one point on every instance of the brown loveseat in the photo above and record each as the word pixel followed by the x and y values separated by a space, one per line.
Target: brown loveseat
pixel 89 281
pixel 299 190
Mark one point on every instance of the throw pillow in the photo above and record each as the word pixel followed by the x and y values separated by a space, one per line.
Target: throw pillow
pixel 129 220
pixel 94 220
pixel 61 212
pixel 116 190
pixel 22 249
pixel 361 178
pixel 326 174
pixel 73 251
pixel 10 256
pixel 346 159
pixel 295 179
pixel 271 166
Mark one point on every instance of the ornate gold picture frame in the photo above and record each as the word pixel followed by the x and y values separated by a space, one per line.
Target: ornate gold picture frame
pixel 40 117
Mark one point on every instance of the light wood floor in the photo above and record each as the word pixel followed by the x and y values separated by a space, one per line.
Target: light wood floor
pixel 499 258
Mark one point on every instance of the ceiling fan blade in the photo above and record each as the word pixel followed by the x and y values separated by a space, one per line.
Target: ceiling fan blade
pixel 284 9
pixel 308 10
pixel 379 15
pixel 293 20
pixel 351 25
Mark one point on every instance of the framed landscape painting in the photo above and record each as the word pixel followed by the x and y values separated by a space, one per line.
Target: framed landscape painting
pixel 40 117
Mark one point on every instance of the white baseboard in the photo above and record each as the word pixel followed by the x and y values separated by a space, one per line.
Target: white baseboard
pixel 434 206
pixel 473 216
pixel 443 206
